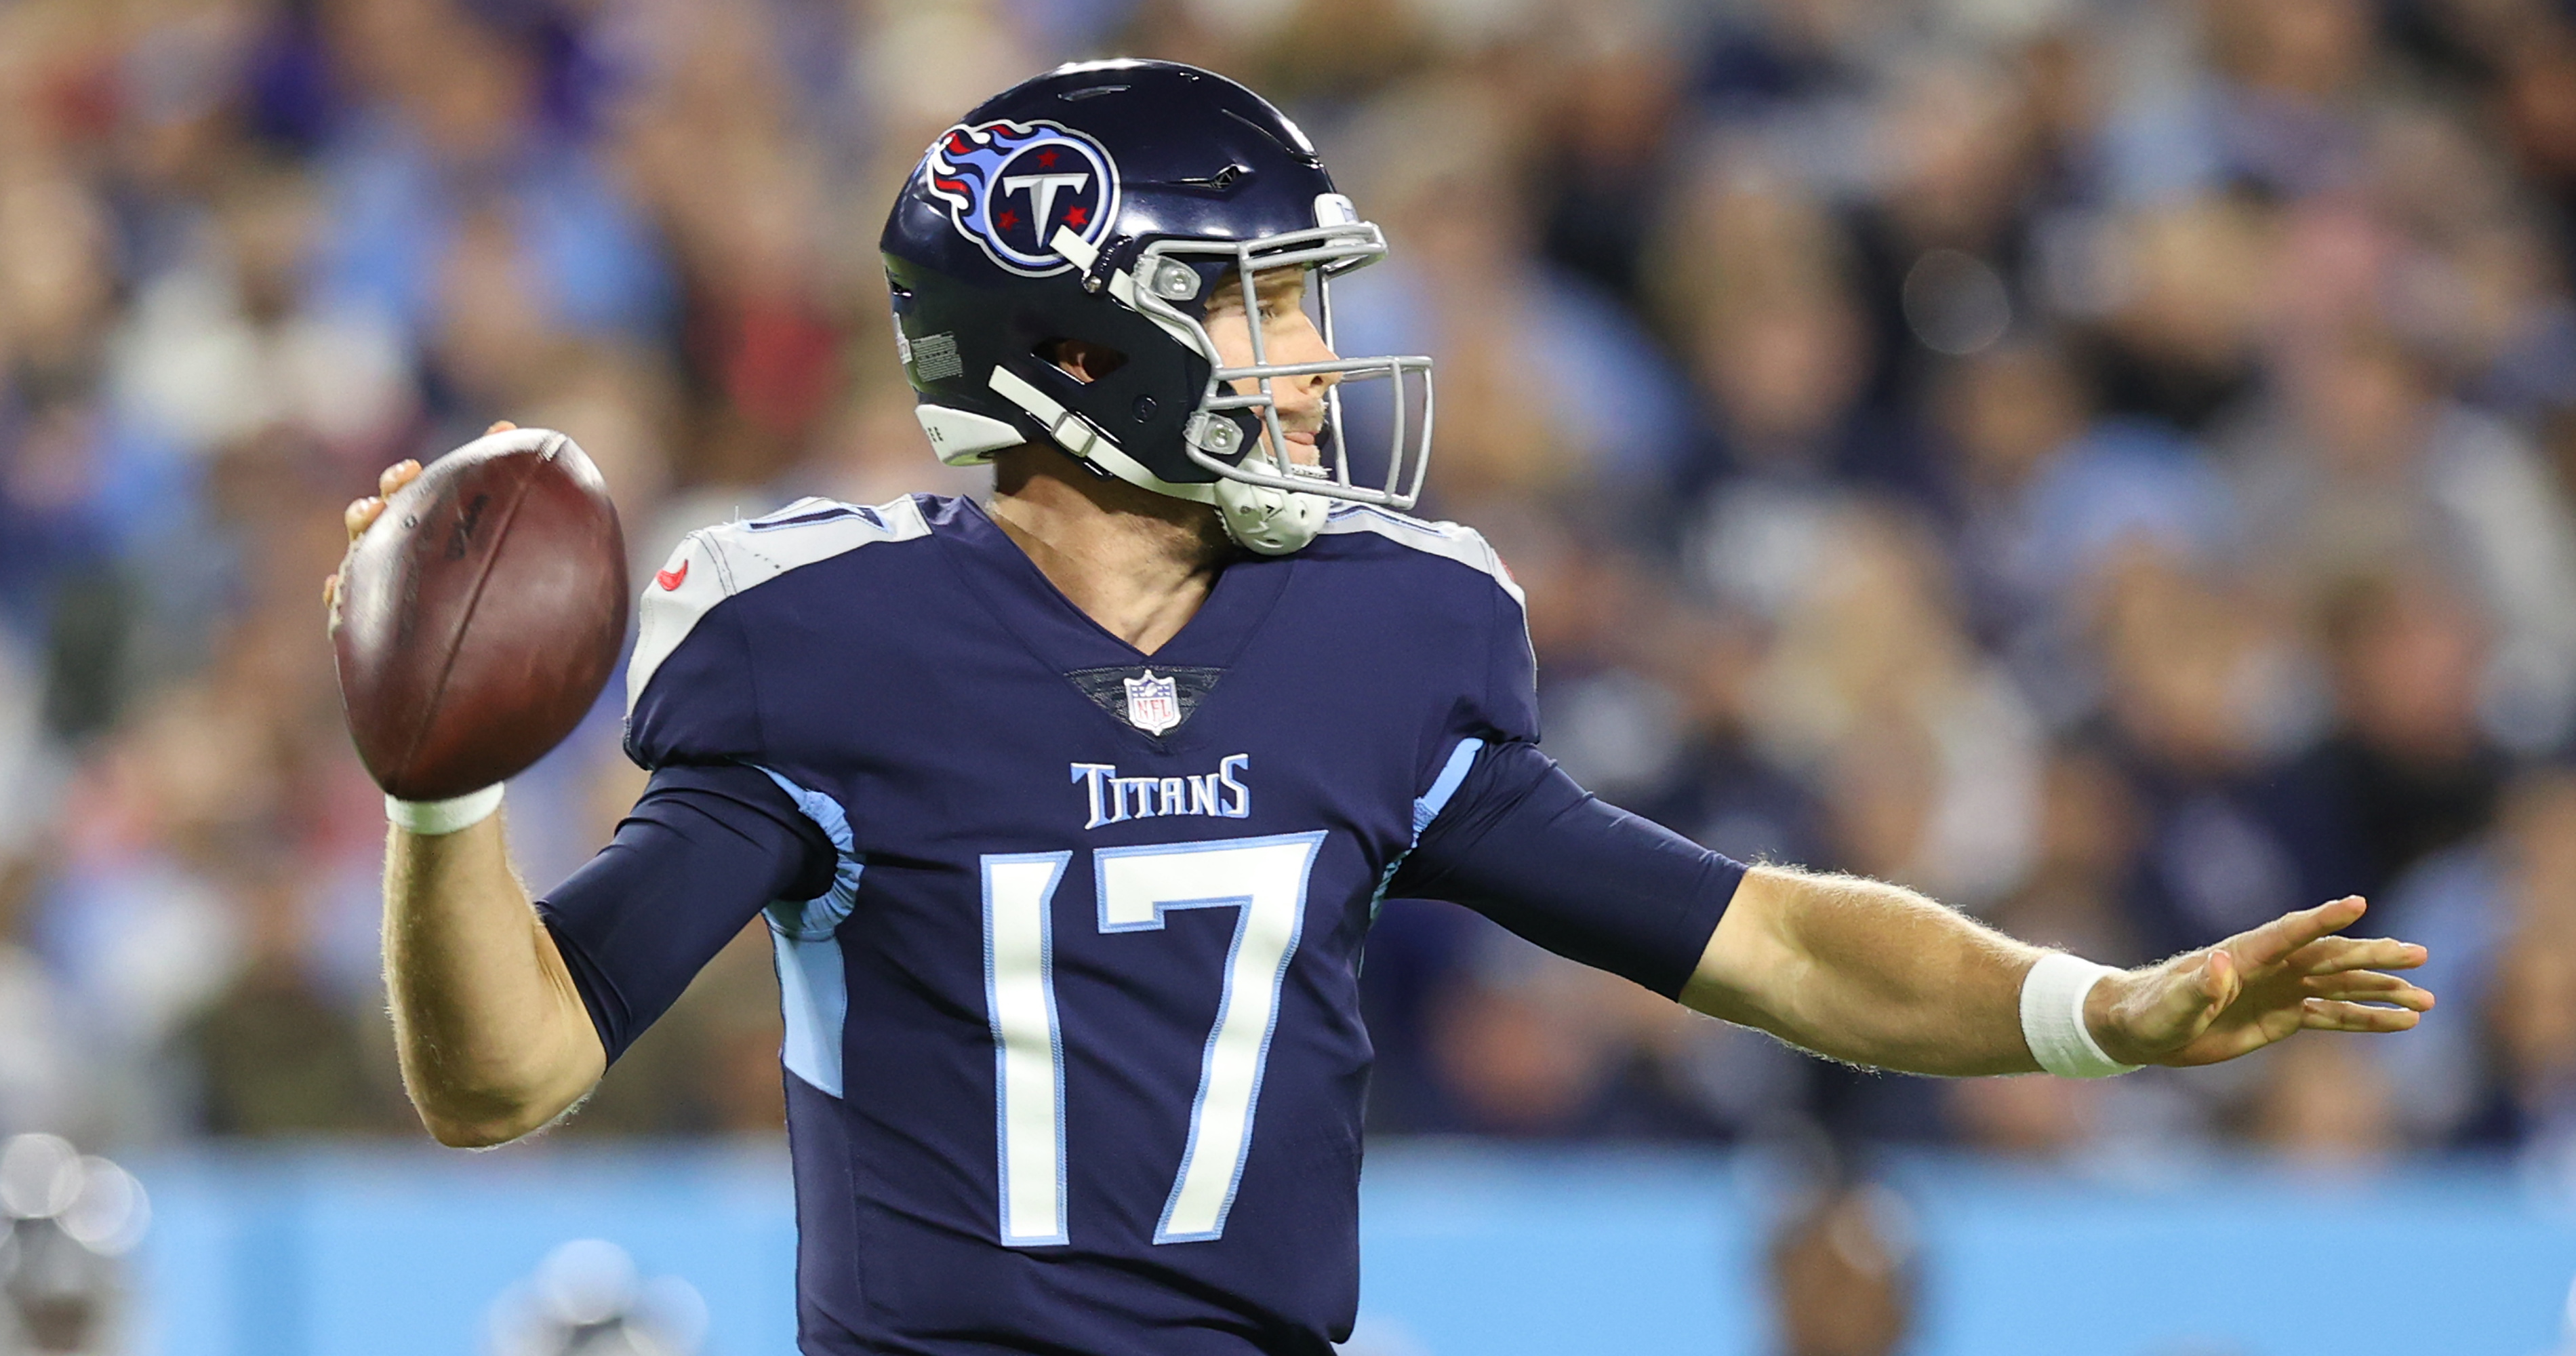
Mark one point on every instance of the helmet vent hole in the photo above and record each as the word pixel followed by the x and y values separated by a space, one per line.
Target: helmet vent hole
pixel 1222 182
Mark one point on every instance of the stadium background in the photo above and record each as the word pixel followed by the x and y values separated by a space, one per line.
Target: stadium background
pixel 2111 465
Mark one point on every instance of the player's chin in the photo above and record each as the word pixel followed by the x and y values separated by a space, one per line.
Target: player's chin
pixel 1304 454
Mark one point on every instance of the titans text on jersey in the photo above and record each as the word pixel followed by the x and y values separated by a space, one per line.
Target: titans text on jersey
pixel 1223 793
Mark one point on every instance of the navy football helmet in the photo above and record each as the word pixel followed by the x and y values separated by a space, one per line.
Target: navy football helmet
pixel 1105 202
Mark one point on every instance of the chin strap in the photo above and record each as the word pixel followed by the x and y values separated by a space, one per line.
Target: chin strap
pixel 1268 521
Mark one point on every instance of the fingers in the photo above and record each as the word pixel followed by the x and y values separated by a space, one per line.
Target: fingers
pixel 2368 986
pixel 2326 1014
pixel 363 512
pixel 396 476
pixel 2330 954
pixel 2272 942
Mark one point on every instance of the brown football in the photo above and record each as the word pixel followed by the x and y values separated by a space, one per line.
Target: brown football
pixel 481 614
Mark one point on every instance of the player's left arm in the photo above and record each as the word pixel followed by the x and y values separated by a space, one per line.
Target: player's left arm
pixel 1854 969
pixel 1876 974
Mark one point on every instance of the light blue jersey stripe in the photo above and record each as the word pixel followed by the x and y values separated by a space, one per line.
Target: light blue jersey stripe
pixel 813 992
pixel 1429 804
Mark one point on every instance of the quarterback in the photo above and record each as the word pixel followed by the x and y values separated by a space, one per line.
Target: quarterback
pixel 1069 810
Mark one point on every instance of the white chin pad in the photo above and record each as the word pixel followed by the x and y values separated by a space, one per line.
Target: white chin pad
pixel 1270 522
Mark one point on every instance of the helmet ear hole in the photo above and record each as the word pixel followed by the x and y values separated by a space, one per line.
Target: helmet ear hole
pixel 1080 359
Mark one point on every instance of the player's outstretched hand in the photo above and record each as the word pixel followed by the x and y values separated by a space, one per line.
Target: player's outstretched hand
pixel 2289 975
pixel 361 513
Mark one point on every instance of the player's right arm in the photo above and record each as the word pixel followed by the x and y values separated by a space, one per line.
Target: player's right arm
pixel 506 1010
pixel 490 1028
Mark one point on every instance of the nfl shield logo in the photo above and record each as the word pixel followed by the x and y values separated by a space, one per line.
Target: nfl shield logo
pixel 1153 704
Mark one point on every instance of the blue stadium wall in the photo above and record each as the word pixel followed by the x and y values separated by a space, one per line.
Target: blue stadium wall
pixel 1467 1252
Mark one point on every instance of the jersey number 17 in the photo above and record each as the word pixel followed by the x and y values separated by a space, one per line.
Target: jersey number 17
pixel 1136 886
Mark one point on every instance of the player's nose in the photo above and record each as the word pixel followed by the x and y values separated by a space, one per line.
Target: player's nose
pixel 1304 343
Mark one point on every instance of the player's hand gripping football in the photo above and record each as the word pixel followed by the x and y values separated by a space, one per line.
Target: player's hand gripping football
pixel 362 513
pixel 479 612
pixel 2289 975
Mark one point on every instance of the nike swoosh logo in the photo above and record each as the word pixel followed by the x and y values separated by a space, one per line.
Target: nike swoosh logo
pixel 671 579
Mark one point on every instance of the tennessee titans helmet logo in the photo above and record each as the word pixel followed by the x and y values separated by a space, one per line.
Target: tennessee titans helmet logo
pixel 1010 186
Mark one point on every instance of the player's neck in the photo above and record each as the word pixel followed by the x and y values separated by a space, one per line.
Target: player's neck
pixel 1137 562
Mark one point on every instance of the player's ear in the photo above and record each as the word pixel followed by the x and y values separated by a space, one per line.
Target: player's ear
pixel 1086 362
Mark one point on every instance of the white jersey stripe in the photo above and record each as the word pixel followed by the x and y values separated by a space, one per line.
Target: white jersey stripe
pixel 1465 545
pixel 715 563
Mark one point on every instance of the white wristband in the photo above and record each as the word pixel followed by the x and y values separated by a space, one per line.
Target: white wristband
pixel 2052 1017
pixel 431 818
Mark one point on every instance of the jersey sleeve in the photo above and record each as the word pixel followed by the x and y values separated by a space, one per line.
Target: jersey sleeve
pixel 1506 833
pixel 702 853
pixel 691 693
pixel 1509 710
pixel 1496 682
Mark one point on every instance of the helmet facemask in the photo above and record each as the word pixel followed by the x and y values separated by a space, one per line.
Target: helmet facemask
pixel 1236 434
pixel 1270 503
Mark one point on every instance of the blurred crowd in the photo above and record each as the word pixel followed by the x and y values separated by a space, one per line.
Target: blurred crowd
pixel 2110 465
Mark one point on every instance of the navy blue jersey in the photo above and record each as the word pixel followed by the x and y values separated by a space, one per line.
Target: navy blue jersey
pixel 1074 1053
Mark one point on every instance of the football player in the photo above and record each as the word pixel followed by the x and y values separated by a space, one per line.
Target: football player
pixel 1069 811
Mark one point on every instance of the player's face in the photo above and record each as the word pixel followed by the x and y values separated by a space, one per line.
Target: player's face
pixel 1288 335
